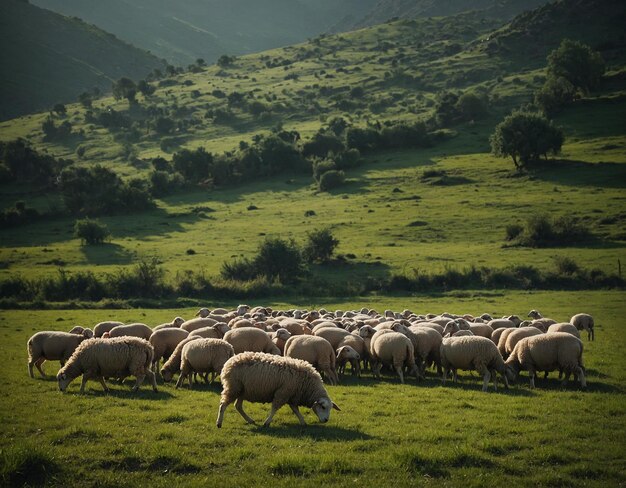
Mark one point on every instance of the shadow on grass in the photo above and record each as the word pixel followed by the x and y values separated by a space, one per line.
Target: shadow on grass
pixel 313 431
pixel 107 253
pixel 144 393
pixel 581 173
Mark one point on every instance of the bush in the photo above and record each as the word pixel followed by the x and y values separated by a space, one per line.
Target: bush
pixel 555 94
pixel 321 145
pixel 90 232
pixel 163 183
pixel 540 230
pixel 565 266
pixel 513 231
pixel 331 179
pixel 194 165
pixel 577 63
pixel 320 245
pixel 52 132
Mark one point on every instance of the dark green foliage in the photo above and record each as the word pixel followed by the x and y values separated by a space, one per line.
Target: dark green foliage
pixel 85 99
pixel 145 279
pixel 28 467
pixel 125 88
pixel 195 166
pixel 337 125
pixel 321 166
pixel 471 106
pixel 59 109
pixel 24 164
pixel 224 61
pixel 98 190
pixel 164 183
pixel 320 245
pixel 539 230
pixel 90 232
pixel 400 136
pixel 18 215
pixel 331 179
pixel 53 132
pixel 363 139
pixel 577 63
pixel 161 164
pixel 164 125
pixel 321 144
pixel 347 159
pixel 145 88
pixel 525 137
pixel 109 118
pixel 555 93
pixel 565 265
pixel 256 108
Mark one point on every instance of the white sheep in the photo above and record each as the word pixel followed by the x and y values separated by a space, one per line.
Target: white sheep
pixel 547 352
pixel 102 327
pixel 215 331
pixel 250 339
pixel 517 335
pixel 333 335
pixel 564 327
pixel 131 330
pixel 393 349
pixel 172 365
pixel 164 342
pixel 198 323
pixel 97 359
pixel 265 378
pixel 177 322
pixel 77 329
pixel 204 356
pixel 280 338
pixel 429 341
pixel 52 346
pixel 584 321
pixel 347 354
pixel 316 351
pixel 472 353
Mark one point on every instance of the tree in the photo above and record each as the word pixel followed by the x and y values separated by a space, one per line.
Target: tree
pixel 577 63
pixel 145 88
pixel 525 137
pixel 193 165
pixel 320 245
pixel 59 109
pixel 52 132
pixel 125 88
pixel 555 94
pixel 225 61
pixel 91 232
pixel 331 179
pixel 85 99
pixel 278 258
pixel 471 106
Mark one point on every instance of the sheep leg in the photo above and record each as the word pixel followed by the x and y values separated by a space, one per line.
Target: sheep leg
pixel 104 385
pixel 239 407
pixel 486 378
pixel 138 382
pixel 581 377
pixel 296 411
pixel 444 376
pixel 494 376
pixel 212 378
pixel 400 374
pixel 86 376
pixel 275 406
pixel 220 416
pixel 181 379
pixel 376 366
pixel 566 379
pixel 39 364
pixel 455 377
pixel 532 375
pixel 152 377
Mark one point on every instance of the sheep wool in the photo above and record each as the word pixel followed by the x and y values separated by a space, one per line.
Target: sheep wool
pixel 265 378
pixel 97 359
pixel 315 350
pixel 204 356
pixel 52 346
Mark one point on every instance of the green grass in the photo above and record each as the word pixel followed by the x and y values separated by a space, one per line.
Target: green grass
pixel 412 434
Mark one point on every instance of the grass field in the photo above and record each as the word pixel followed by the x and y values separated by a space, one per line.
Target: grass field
pixel 386 433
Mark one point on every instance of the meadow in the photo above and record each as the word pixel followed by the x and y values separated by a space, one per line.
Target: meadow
pixel 386 433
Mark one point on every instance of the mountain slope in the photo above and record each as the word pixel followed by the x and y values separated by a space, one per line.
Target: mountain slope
pixel 407 9
pixel 48 58
pixel 181 32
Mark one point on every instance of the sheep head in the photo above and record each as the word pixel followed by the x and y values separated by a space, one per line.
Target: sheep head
pixel 322 408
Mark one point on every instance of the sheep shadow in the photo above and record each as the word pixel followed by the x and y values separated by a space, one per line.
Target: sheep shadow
pixel 313 432
pixel 144 393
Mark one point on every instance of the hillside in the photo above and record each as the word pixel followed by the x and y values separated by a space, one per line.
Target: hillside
pixel 48 58
pixel 385 10
pixel 181 32
pixel 393 215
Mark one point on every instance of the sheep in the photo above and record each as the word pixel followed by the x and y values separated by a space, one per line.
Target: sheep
pixel 198 323
pixel 486 317
pixel 547 352
pixel 324 324
pixel 102 327
pixel 482 330
pixel 296 327
pixel 164 341
pixel 131 330
pixel 204 356
pixel 564 327
pixel 316 351
pixel 121 356
pixel 347 354
pixel 52 346
pixel 332 335
pixel 429 341
pixel 431 325
pixel 472 353
pixel 499 323
pixel 215 331
pixel 584 321
pixel 393 349
pixel 250 339
pixel 540 321
pixel 172 365
pixel 461 333
pixel 502 340
pixel 77 329
pixel 517 335
pixel 281 336
pixel 264 378
pixel 177 322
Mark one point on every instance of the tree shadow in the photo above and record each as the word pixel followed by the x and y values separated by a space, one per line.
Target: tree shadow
pixel 313 432
pixel 107 253
pixel 581 173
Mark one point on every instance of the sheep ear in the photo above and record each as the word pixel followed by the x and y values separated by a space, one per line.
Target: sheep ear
pixel 335 406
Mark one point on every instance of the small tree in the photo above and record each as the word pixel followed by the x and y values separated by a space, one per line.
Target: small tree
pixel 59 109
pixel 90 232
pixel 525 137
pixel 85 99
pixel 555 94
pixel 320 245
pixel 145 88
pixel 225 61
pixel 577 63
pixel 331 179
pixel 278 258
pixel 125 88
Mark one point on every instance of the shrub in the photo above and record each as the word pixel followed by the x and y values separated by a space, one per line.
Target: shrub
pixel 577 63
pixel 164 125
pixel 320 245
pixel 555 94
pixel 565 265
pixel 321 145
pixel 52 132
pixel 513 231
pixel 163 183
pixel 331 179
pixel 471 106
pixel 321 166
pixel 193 165
pixel 539 230
pixel 90 232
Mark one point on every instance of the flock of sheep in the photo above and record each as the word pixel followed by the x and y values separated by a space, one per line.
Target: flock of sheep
pixel 279 357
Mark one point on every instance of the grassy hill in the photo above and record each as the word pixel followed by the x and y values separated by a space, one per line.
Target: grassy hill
pixel 394 215
pixel 48 58
pixel 181 32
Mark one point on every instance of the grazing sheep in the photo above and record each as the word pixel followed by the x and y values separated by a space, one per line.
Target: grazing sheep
pixel 52 346
pixel 427 351
pixel 472 353
pixel 461 333
pixel 96 359
pixel 431 325
pixel 502 341
pixel 393 349
pixel 204 356
pixel 495 335
pixel 486 317
pixel 517 335
pixel 172 365
pixel 102 327
pixel 77 329
pixel 250 339
pixel 547 352
pixel 264 378
pixel 164 342
pixel 316 351
pixel 481 330
pixel 281 336
pixel 296 327
pixel 499 323
pixel 215 331
pixel 333 335
pixel 324 324
pixel 198 323
pixel 564 327
pixel 131 330
pixel 540 321
pixel 584 321
pixel 177 322
pixel 347 354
